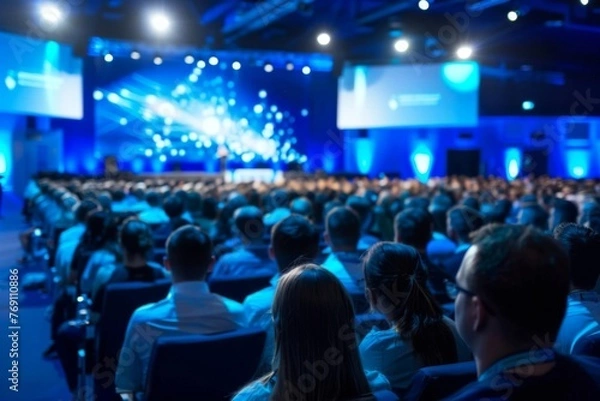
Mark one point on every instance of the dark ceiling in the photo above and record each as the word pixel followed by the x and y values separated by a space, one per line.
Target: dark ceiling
pixel 551 35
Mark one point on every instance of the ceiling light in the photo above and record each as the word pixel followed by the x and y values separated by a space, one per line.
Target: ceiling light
pixel 160 22
pixel 464 52
pixel 135 55
pixel 323 39
pixel 108 58
pixel 424 5
pixel 189 59
pixel 401 45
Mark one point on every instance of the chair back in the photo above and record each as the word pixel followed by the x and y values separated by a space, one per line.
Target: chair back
pixel 588 345
pixel 206 367
pixel 239 288
pixel 438 382
pixel 120 301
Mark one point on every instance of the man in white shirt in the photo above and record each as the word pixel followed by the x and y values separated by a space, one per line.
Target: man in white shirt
pixel 582 317
pixel 189 308
pixel 294 241
pixel 342 233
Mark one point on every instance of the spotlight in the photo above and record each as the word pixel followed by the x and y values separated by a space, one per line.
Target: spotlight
pixel 289 66
pixel 108 58
pixel 401 45
pixel 213 60
pixel 306 70
pixel 269 67
pixel 236 65
pixel 584 2
pixel 51 13
pixel 158 60
pixel 323 39
pixel 189 59
pixel 464 52
pixel 528 105
pixel 512 15
pixel 135 55
pixel 424 5
pixel 160 22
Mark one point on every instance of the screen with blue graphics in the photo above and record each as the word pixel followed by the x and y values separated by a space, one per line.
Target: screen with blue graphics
pixel 431 95
pixel 39 78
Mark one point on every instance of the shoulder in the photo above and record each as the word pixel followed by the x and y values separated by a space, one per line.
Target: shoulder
pixel 379 340
pixel 255 391
pixel 377 381
pixel 149 312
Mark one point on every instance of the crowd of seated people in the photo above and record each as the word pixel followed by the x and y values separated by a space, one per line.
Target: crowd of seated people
pixel 504 274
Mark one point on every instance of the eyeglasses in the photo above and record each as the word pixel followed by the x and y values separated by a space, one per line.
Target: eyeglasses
pixel 453 289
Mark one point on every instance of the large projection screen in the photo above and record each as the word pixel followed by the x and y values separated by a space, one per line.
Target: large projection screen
pixel 39 78
pixel 431 95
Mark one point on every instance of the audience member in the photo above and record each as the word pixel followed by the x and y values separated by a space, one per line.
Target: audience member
pixel 533 215
pixel 155 214
pixel 583 309
pixel 562 211
pixel 189 308
pixel 462 221
pixel 342 233
pixel 251 258
pixel 513 286
pixel 303 207
pixel 420 335
pixel 314 338
pixel 414 227
pixel 278 203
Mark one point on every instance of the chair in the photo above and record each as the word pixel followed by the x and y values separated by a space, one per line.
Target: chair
pixel 206 367
pixel 239 288
pixel 385 395
pixel 588 345
pixel 120 301
pixel 438 382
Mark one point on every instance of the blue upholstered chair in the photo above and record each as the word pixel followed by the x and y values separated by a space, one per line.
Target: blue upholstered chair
pixel 203 367
pixel 437 382
pixel 239 288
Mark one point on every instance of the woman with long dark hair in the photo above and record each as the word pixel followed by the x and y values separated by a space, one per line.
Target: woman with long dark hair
pixel 316 355
pixel 420 335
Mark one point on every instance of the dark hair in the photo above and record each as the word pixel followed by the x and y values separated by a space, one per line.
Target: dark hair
pixel 295 241
pixel 343 226
pixel 174 206
pixel 279 198
pixel 362 207
pixel 534 215
pixel 392 268
pixel 136 237
pixel 189 251
pixel 524 276
pixel 302 207
pixel 464 220
pixel 210 208
pixel 100 228
pixel 85 208
pixel 583 246
pixel 249 222
pixel 194 202
pixel 153 199
pixel 563 211
pixel 414 226
pixel 314 329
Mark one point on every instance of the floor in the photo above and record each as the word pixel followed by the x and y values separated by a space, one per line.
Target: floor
pixel 39 379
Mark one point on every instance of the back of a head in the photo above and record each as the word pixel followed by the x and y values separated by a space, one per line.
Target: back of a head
pixel 85 208
pixel 396 279
pixel 417 202
pixel 343 227
pixel 174 207
pixel 210 208
pixel 189 254
pixel 583 246
pixel 414 227
pixel 463 221
pixel 303 207
pixel 563 211
pixel 136 237
pixel 295 241
pixel 249 223
pixel 362 206
pixel 524 276
pixel 534 215
pixel 194 202
pixel 279 198
pixel 314 321
pixel 153 199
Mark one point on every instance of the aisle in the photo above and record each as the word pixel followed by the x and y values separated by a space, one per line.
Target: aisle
pixel 39 380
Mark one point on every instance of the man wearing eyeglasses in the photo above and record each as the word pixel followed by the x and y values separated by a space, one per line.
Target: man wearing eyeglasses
pixel 511 298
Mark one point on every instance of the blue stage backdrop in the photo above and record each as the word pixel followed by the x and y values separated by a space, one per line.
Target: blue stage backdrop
pixel 183 116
